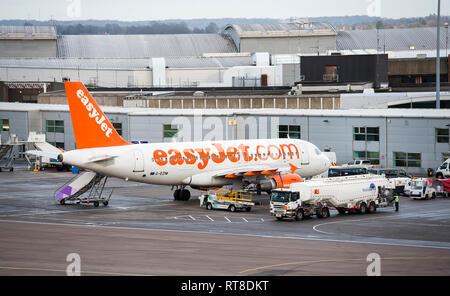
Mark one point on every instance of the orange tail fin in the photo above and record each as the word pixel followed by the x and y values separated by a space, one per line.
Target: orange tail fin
pixel 91 127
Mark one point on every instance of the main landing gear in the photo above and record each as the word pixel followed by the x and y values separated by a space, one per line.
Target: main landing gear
pixel 182 194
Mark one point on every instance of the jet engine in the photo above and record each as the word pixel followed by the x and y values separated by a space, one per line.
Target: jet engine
pixel 279 181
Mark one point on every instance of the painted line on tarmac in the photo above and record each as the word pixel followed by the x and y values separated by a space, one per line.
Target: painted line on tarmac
pixel 335 261
pixel 373 219
pixel 64 271
pixel 446 245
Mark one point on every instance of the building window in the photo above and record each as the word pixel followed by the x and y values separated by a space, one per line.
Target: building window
pixel 406 159
pixel 289 131
pixel 4 125
pixel 442 135
pixel 170 131
pixel 54 126
pixel 366 134
pixel 118 127
pixel 331 73
pixel 373 157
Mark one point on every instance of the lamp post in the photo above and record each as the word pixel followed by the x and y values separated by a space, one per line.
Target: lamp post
pixel 438 58
pixel 446 38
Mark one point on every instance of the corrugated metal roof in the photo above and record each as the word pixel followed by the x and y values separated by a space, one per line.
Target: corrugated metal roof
pixel 125 64
pixel 142 46
pixel 73 63
pixel 205 62
pixel 295 29
pixel 27 31
pixel 391 39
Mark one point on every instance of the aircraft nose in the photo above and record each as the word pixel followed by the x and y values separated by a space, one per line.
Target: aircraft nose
pixel 327 162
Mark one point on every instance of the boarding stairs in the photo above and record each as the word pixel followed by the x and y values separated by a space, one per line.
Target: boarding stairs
pixel 6 157
pixel 93 184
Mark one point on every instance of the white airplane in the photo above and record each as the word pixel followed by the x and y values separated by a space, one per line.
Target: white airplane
pixel 269 163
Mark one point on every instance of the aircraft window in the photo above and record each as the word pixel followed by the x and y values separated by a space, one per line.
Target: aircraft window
pixel 317 151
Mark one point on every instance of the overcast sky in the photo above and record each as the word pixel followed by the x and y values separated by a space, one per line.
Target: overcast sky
pixel 138 10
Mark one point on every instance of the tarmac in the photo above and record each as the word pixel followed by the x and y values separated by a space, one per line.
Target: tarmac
pixel 143 231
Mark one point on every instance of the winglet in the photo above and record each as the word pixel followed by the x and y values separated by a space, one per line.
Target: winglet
pixel 91 127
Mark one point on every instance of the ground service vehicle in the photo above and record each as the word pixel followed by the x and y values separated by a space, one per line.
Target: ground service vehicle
pixel 361 194
pixel 397 176
pixel 422 188
pixel 444 170
pixel 359 162
pixel 230 200
pixel 444 189
pixel 339 171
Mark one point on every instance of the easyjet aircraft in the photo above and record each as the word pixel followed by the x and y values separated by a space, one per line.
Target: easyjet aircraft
pixel 269 163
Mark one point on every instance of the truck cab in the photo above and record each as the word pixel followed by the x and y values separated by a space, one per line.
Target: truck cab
pixel 421 188
pixel 287 203
pixel 443 171
pixel 284 203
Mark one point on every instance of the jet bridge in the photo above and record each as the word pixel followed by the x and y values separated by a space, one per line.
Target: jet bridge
pixel 86 188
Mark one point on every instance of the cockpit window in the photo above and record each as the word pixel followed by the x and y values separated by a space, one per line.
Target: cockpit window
pixel 318 152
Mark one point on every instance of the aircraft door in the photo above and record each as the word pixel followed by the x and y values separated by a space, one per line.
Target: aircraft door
pixel 305 155
pixel 138 161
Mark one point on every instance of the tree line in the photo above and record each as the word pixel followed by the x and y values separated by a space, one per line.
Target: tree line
pixel 116 29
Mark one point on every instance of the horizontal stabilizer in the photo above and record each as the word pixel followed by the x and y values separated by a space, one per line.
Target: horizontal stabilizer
pixel 40 153
pixel 101 158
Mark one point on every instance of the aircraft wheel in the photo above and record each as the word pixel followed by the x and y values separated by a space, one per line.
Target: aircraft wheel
pixel 96 204
pixel 185 195
pixel 62 202
pixel 176 194
pixel 105 203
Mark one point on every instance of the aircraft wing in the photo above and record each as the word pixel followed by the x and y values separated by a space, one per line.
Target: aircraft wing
pixel 256 170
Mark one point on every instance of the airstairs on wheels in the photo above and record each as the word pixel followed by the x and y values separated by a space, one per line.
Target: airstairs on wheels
pixel 9 152
pixel 93 184
pixel 7 157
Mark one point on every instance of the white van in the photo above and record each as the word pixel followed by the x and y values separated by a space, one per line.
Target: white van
pixel 443 171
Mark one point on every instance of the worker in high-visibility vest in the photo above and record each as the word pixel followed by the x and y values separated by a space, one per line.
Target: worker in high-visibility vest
pixel 396 201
